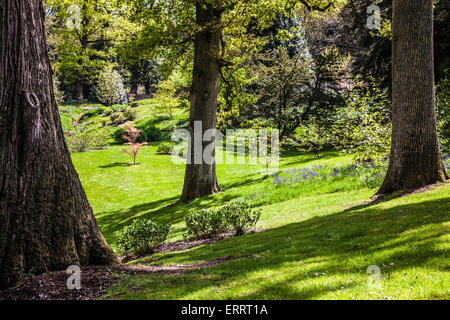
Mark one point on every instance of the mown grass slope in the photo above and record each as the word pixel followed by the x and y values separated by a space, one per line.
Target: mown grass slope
pixel 317 245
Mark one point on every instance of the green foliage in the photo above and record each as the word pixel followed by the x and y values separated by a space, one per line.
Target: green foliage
pixel 204 223
pixel 80 52
pixel 110 89
pixel 59 95
pixel 165 147
pixel 291 90
pixel 167 94
pixel 363 127
pixel 237 216
pixel 443 111
pixel 241 216
pixel 151 133
pixel 81 139
pixel 92 113
pixel 130 114
pixel 281 82
pixel 142 236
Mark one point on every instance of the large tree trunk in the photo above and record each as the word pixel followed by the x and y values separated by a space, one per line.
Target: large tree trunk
pixel 46 222
pixel 200 179
pixel 415 159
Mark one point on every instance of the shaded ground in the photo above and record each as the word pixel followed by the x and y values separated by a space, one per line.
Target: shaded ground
pixel 95 280
pixel 182 245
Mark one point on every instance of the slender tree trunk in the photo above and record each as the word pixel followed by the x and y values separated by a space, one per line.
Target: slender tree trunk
pixel 134 83
pixel 79 92
pixel 46 222
pixel 415 159
pixel 201 179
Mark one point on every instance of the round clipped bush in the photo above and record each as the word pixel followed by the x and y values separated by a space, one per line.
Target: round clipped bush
pixel 204 223
pixel 142 236
pixel 238 216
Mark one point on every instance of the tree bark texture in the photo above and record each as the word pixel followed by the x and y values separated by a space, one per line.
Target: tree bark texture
pixel 415 158
pixel 46 222
pixel 201 179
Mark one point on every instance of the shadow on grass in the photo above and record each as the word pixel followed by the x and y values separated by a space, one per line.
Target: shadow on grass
pixel 338 247
pixel 169 210
pixel 115 165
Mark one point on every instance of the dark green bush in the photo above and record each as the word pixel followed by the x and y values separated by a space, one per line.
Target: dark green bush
pixel 118 136
pixel 142 236
pixel 152 134
pixel 237 216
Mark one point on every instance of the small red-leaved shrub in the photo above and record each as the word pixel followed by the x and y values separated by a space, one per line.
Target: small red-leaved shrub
pixel 131 135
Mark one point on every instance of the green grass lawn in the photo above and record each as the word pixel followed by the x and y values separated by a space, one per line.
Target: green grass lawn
pixel 317 244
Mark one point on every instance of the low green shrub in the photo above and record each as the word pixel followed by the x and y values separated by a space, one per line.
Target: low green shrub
pixel 142 236
pixel 240 216
pixel 204 223
pixel 80 140
pixel 130 114
pixel 237 216
pixel 107 112
pixel 115 117
pixel 165 147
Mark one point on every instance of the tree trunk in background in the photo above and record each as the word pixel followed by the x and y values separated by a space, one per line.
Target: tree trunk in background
pixel 148 89
pixel 79 94
pixel 134 83
pixel 415 159
pixel 201 179
pixel 46 222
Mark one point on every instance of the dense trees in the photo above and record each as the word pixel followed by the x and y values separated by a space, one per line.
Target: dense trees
pixel 46 222
pixel 213 40
pixel 84 37
pixel 292 90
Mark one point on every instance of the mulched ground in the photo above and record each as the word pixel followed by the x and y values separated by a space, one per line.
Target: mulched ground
pixel 182 245
pixel 95 280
